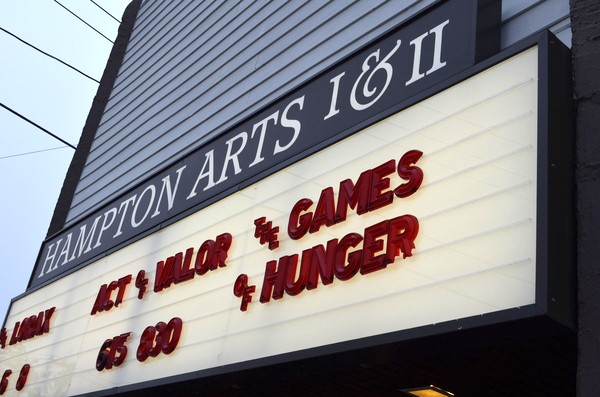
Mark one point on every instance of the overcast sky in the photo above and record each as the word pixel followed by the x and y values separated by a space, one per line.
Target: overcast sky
pixel 55 97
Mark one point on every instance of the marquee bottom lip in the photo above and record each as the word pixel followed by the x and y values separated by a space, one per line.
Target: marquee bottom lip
pixel 462 339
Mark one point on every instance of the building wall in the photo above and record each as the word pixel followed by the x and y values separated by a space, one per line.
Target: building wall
pixel 194 69
pixel 586 92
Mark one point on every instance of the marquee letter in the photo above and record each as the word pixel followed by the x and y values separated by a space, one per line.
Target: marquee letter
pixel 261 140
pixel 294 124
pixel 166 186
pixel 333 110
pixel 210 162
pixel 233 157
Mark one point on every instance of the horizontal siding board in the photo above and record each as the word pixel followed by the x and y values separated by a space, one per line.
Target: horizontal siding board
pixel 511 8
pixel 175 93
pixel 149 18
pixel 562 30
pixel 176 35
pixel 154 26
pixel 535 19
pixel 164 77
pixel 300 40
pixel 329 52
pixel 140 37
pixel 144 71
pixel 145 22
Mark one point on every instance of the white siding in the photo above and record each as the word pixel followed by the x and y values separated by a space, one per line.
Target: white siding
pixel 194 69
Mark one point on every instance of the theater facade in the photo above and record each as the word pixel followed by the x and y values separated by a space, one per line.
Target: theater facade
pixel 310 198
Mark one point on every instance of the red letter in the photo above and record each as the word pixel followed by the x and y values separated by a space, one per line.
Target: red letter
pixel 38 324
pixel 102 358
pixel 13 338
pixel 100 299
pixel 171 271
pixel 3 337
pixel 298 226
pixel 158 276
pixel 222 244
pixel 352 195
pixel 186 273
pixel 108 304
pixel 401 236
pixel 123 281
pixel 324 212
pixel 22 379
pixel 27 327
pixel 140 283
pixel 322 264
pixel 272 282
pixel 377 199
pixel 346 272
pixel 414 175
pixel 48 315
pixel 172 335
pixel 371 245
pixel 4 381
pixel 289 264
pixel 146 342
pixel 204 257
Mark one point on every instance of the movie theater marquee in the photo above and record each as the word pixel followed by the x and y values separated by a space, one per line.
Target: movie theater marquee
pixel 423 216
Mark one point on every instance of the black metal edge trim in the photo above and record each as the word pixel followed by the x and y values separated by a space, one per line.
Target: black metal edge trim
pixel 557 126
pixel 541 249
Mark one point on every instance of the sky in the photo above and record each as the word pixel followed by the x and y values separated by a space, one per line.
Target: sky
pixel 53 96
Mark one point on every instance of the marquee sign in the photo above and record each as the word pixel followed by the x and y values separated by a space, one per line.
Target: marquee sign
pixel 429 215
pixel 390 70
pixel 414 210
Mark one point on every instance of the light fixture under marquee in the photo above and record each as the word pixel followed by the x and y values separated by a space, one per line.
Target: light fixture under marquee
pixel 427 391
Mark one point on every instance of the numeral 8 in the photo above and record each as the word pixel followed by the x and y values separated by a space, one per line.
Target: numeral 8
pixel 160 338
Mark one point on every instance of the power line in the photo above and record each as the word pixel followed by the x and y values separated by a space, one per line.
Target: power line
pixel 48 55
pixel 37 151
pixel 77 16
pixel 97 5
pixel 38 126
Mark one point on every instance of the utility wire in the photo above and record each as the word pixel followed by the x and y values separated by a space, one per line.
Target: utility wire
pixel 37 151
pixel 77 16
pixel 48 55
pixel 98 5
pixel 38 126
